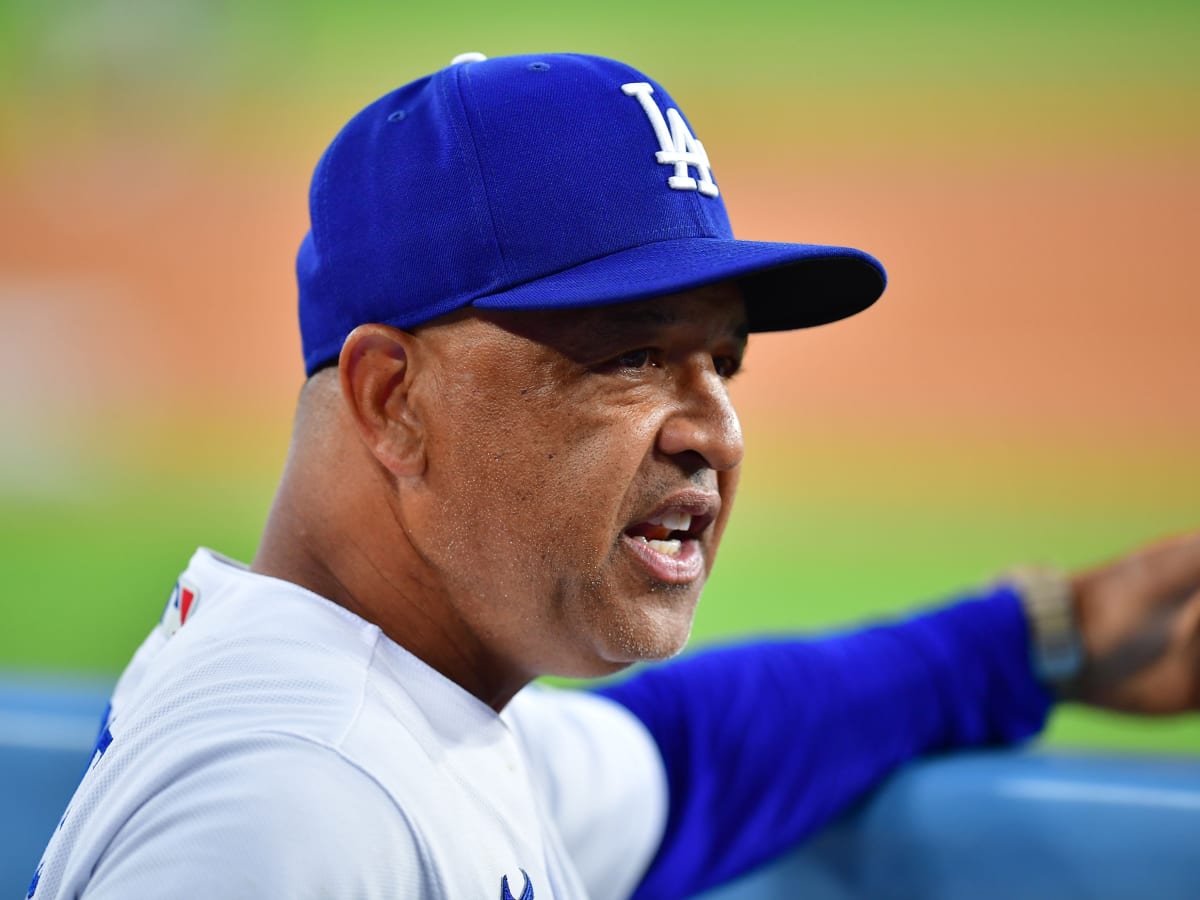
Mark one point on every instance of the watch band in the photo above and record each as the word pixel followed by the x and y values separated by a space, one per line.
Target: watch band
pixel 1056 646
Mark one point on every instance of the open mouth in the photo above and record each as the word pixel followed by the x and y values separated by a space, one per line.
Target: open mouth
pixel 665 533
pixel 667 543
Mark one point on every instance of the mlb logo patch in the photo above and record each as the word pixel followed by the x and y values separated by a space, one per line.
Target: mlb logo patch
pixel 180 605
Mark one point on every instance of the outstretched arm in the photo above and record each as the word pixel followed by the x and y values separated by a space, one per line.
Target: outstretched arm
pixel 763 743
pixel 766 742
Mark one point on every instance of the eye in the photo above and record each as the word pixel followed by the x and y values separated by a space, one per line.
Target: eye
pixel 634 359
pixel 727 366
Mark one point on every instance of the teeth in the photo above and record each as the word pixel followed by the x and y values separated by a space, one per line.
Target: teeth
pixel 667 548
pixel 673 521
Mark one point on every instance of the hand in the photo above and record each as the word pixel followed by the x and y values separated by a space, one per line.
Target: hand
pixel 1139 617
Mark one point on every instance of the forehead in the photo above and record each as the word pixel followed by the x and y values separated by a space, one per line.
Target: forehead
pixel 711 313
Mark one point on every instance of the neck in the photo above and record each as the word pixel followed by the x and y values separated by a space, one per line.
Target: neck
pixel 336 528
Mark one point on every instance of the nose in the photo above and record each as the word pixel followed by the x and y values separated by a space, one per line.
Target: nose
pixel 704 424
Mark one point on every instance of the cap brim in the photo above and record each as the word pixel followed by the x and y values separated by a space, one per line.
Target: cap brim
pixel 785 285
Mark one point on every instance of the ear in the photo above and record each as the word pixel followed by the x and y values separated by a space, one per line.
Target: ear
pixel 377 366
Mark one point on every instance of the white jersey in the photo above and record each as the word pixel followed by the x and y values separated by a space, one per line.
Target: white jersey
pixel 277 745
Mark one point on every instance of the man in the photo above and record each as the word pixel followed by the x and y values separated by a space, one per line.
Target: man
pixel 514 455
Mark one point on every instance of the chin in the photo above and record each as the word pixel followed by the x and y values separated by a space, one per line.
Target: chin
pixel 617 630
pixel 651 638
pixel 611 657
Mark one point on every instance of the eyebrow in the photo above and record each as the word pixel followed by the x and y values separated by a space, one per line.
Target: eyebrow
pixel 624 318
pixel 645 315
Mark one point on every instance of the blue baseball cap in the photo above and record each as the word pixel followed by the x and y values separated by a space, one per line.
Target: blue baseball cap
pixel 537 182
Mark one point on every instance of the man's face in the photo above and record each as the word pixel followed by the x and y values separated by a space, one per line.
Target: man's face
pixel 581 464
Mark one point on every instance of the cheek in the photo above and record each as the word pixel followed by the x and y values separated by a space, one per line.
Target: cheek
pixel 540 482
pixel 589 475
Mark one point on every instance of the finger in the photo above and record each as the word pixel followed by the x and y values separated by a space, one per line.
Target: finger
pixel 1174 685
pixel 1189 631
pixel 1171 566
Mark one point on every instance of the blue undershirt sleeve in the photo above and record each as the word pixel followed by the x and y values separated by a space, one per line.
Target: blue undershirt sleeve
pixel 765 742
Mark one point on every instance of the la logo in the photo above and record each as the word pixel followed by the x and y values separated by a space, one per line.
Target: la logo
pixel 679 147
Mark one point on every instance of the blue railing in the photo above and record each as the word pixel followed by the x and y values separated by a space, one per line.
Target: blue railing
pixel 997 824
pixel 1006 824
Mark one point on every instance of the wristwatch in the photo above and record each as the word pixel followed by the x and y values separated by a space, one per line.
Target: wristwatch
pixel 1056 646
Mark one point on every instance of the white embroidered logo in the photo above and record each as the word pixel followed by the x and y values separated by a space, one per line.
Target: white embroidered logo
pixel 679 146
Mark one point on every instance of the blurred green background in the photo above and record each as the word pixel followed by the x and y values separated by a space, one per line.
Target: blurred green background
pixel 1028 389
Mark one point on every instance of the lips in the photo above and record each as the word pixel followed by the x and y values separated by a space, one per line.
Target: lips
pixel 667 541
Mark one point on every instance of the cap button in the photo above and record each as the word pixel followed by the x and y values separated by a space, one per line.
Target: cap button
pixel 467 57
